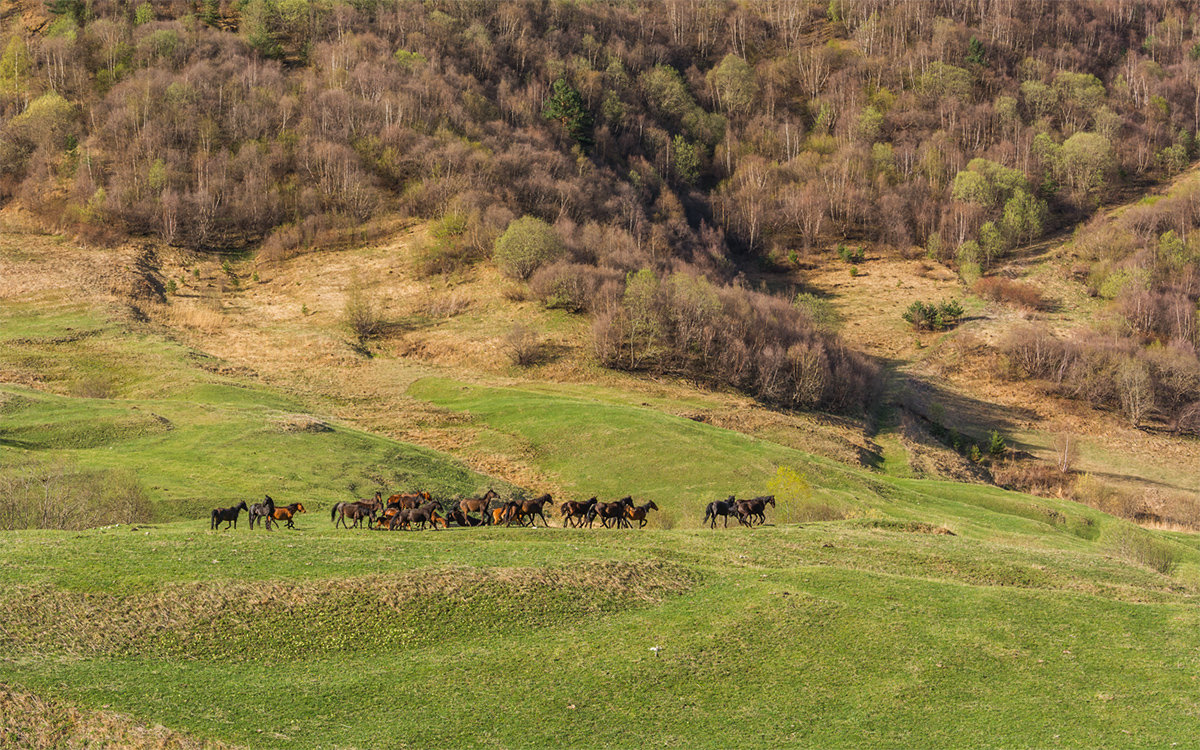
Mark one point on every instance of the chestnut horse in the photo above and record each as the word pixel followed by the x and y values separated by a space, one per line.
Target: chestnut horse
pixel 574 512
pixel 638 513
pixel 288 513
pixel 462 519
pixel 409 500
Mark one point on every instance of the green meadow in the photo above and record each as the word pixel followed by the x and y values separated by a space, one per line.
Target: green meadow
pixel 870 611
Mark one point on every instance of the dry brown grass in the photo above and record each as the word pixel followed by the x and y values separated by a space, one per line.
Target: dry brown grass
pixel 28 722
pixel 196 316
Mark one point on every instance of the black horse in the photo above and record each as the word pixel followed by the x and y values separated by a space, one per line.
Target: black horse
pixel 264 510
pixel 724 508
pixel 228 515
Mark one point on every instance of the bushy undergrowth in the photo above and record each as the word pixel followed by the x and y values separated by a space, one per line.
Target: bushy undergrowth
pixel 59 495
pixel 685 325
pixel 1112 373
pixel 1138 546
pixel 999 289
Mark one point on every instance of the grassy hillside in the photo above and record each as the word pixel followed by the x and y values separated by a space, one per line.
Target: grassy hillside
pixel 110 397
pixel 920 613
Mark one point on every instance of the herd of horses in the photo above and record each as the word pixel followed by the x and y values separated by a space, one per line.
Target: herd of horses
pixel 419 510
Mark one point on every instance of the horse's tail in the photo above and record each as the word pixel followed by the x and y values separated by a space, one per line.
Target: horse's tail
pixel 708 513
pixel 213 525
pixel 334 510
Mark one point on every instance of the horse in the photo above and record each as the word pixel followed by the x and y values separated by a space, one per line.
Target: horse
pixel 427 513
pixel 479 505
pixel 228 515
pixel 409 500
pixel 462 519
pixel 356 511
pixel 288 513
pixel 614 512
pixel 531 508
pixel 724 508
pixel 264 510
pixel 574 512
pixel 638 513
pixel 755 508
pixel 504 513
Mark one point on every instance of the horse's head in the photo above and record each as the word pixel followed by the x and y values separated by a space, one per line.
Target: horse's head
pixel 771 500
pixel 300 508
pixel 241 506
pixel 627 500
pixel 491 494
pixel 651 506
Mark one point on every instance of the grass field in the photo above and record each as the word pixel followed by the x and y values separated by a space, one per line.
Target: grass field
pixel 922 614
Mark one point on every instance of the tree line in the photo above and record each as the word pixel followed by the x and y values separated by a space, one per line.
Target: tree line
pixel 660 137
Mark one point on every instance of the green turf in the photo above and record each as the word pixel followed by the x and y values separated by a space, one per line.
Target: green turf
pixel 1036 622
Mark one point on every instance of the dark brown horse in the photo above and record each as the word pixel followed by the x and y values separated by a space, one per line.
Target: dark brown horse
pixel 725 509
pixel 753 510
pixel 228 515
pixel 356 512
pixel 533 508
pixel 614 512
pixel 426 514
pixel 288 514
pixel 478 505
pixel 462 519
pixel 574 512
pixel 638 513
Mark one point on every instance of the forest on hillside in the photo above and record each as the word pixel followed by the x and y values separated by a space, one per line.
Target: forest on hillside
pixel 637 155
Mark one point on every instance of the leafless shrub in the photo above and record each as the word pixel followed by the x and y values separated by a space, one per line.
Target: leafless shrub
pixel 523 346
pixel 1032 477
pixel 1138 546
pixel 574 286
pixel 361 314
pixel 447 305
pixel 1007 291
pixel 755 342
